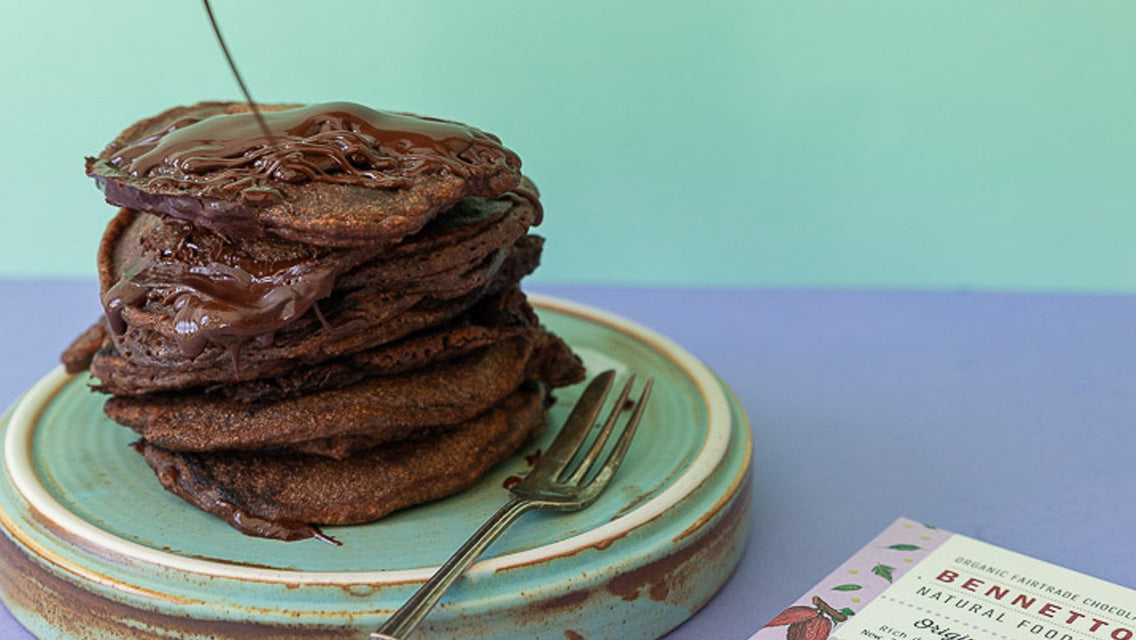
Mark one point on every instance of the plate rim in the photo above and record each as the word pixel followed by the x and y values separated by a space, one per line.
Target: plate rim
pixel 22 475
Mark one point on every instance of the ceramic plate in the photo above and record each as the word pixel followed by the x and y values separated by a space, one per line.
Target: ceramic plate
pixel 88 525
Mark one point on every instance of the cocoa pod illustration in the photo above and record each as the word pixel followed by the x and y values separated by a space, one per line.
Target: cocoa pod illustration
pixel 793 614
pixel 816 628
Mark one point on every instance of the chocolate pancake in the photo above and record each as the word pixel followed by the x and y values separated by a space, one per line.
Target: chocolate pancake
pixel 280 495
pixel 469 232
pixel 82 350
pixel 492 319
pixel 331 175
pixel 358 323
pixel 214 288
pixel 200 292
pixel 556 365
pixel 381 408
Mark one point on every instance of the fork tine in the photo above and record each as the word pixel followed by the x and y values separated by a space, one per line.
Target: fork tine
pixel 615 457
pixel 575 429
pixel 589 458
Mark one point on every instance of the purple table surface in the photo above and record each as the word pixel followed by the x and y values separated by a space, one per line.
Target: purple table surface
pixel 1007 417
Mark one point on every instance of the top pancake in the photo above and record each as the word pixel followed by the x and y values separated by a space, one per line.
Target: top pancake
pixel 332 175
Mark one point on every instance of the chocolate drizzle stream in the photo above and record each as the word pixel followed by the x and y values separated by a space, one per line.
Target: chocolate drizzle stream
pixel 233 67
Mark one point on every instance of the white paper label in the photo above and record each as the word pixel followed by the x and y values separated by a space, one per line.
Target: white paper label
pixel 955 588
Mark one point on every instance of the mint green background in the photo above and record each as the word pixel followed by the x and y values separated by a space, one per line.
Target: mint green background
pixel 963 143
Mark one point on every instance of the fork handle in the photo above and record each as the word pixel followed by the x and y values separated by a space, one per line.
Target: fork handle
pixel 406 619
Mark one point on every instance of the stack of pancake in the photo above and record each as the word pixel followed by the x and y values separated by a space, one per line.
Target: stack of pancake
pixel 313 317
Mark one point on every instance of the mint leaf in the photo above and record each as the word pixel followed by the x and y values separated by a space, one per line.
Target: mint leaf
pixel 904 547
pixel 883 571
pixel 847 587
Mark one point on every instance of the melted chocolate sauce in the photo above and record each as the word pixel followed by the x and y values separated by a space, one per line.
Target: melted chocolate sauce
pixel 216 293
pixel 229 156
pixel 252 525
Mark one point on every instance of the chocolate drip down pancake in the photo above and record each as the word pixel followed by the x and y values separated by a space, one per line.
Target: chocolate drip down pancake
pixel 323 325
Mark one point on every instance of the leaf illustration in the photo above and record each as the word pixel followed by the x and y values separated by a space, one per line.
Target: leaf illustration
pixel 883 571
pixel 848 612
pixel 904 547
pixel 930 526
pixel 847 587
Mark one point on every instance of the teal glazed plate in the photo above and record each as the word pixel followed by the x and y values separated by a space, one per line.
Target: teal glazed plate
pixel 94 548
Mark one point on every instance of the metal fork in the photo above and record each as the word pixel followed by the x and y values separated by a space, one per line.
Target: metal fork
pixel 567 478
